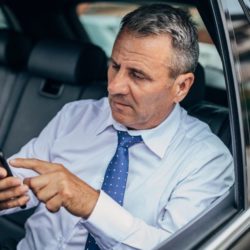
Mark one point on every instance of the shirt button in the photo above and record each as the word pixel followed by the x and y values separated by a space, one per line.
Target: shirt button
pixel 60 238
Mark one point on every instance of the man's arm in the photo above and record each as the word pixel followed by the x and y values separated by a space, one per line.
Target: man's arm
pixel 57 187
pixel 203 181
pixel 112 226
pixel 12 191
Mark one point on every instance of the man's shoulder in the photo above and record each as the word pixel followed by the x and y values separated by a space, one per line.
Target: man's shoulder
pixel 85 107
pixel 199 134
pixel 86 115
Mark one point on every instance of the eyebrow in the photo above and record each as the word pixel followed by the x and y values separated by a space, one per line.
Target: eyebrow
pixel 132 69
pixel 113 61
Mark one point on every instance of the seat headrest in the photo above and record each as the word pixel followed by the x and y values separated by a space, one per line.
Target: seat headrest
pixel 197 92
pixel 14 49
pixel 68 61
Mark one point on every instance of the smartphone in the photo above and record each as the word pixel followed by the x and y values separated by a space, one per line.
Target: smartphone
pixel 4 164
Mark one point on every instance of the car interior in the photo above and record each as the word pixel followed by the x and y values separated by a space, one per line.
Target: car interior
pixel 47 59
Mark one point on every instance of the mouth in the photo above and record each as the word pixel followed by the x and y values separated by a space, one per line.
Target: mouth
pixel 118 105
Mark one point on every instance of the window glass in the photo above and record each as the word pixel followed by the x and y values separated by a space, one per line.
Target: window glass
pixel 209 57
pixel 239 31
pixel 102 21
pixel 3 21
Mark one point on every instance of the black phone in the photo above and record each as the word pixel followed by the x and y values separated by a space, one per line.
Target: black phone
pixel 5 165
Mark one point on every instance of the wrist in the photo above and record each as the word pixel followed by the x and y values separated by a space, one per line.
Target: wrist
pixel 91 203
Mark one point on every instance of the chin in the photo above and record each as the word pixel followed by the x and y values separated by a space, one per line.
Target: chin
pixel 120 118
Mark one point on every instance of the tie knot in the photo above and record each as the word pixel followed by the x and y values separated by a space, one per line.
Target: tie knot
pixel 126 140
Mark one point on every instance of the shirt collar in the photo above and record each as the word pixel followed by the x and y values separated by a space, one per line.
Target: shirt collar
pixel 156 139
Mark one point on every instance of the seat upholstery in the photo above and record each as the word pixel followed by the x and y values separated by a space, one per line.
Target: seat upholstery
pixel 197 91
pixel 68 61
pixel 14 52
pixel 59 73
pixel 15 49
pixel 216 116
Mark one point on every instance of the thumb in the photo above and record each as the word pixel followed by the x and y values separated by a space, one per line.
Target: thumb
pixel 3 173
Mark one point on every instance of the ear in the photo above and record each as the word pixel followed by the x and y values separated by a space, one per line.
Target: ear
pixel 183 83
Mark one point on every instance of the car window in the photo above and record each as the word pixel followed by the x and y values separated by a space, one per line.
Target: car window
pixel 239 30
pixel 101 21
pixel 3 20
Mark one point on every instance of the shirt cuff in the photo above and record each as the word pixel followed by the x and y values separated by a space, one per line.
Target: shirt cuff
pixel 109 223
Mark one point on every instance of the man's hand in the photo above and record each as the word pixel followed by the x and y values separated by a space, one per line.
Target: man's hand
pixel 12 192
pixel 57 187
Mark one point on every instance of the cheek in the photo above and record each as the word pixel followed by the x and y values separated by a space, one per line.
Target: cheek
pixel 144 104
pixel 157 101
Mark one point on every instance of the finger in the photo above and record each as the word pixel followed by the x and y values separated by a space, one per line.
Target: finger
pixel 39 166
pixel 9 182
pixel 38 182
pixel 13 192
pixel 54 204
pixel 20 201
pixel 3 173
pixel 46 193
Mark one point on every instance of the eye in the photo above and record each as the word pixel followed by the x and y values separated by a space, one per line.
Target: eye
pixel 137 75
pixel 114 66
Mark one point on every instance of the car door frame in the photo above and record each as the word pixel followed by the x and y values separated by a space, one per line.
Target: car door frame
pixel 228 219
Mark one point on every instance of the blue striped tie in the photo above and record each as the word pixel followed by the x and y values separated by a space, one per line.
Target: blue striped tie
pixel 115 179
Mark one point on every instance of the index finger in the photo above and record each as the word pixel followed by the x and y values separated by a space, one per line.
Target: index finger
pixel 39 166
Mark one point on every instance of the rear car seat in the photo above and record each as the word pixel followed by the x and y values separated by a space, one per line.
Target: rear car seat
pixel 14 52
pixel 60 72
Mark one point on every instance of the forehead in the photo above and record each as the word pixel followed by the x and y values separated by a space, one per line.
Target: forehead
pixel 146 50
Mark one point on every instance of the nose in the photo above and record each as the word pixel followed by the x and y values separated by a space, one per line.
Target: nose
pixel 118 83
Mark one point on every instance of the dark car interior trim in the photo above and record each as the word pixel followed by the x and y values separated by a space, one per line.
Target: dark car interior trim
pixel 234 107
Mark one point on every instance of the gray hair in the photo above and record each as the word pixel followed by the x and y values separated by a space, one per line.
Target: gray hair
pixel 157 19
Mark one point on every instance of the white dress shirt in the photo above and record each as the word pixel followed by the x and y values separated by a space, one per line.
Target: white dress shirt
pixel 178 170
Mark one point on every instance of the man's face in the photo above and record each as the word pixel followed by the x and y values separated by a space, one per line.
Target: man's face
pixel 141 92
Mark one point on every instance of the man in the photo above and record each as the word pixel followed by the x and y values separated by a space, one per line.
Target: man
pixel 177 167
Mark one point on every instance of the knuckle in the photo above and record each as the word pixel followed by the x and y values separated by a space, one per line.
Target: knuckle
pixel 16 192
pixel 9 203
pixel 32 183
pixel 58 167
pixel 39 196
pixel 62 176
pixel 19 202
pixel 11 182
pixel 66 194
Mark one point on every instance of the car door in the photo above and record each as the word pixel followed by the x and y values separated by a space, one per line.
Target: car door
pixel 231 30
